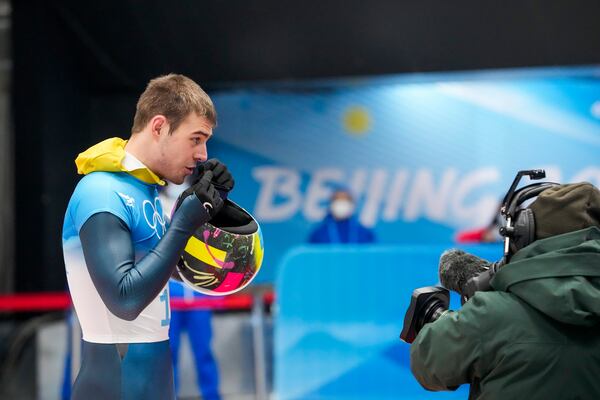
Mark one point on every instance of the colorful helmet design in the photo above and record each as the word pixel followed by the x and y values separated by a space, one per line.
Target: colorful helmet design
pixel 223 255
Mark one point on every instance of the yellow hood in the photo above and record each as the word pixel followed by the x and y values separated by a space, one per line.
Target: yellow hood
pixel 108 156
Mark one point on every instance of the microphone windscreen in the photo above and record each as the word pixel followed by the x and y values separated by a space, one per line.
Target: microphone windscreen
pixel 457 267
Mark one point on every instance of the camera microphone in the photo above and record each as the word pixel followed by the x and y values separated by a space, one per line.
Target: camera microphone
pixel 457 270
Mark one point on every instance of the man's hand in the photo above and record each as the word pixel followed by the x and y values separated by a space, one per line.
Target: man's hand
pixel 205 191
pixel 222 179
pixel 207 194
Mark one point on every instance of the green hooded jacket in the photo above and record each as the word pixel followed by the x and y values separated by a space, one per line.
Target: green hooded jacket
pixel 536 336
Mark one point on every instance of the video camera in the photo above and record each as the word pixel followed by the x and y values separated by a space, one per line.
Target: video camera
pixel 430 303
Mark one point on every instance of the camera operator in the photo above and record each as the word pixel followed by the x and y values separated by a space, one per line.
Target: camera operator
pixel 535 334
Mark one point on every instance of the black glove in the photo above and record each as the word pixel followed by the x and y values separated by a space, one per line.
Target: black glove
pixel 205 191
pixel 222 179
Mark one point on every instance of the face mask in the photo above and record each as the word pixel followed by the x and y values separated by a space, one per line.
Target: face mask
pixel 342 209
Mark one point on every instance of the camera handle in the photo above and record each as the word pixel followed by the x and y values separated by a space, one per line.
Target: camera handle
pixel 481 282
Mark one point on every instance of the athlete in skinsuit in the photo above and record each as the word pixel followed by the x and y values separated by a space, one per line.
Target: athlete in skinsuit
pixel 119 252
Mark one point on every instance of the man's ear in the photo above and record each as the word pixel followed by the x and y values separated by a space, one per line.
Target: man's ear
pixel 158 125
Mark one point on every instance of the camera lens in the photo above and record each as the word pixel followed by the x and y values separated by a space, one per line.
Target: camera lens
pixel 427 304
pixel 434 309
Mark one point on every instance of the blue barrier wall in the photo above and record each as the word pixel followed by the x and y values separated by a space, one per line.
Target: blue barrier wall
pixel 338 316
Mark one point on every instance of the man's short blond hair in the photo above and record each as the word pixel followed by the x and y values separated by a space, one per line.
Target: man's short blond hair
pixel 174 96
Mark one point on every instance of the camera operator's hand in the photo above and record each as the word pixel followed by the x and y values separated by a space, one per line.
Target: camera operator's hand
pixel 222 179
pixel 198 203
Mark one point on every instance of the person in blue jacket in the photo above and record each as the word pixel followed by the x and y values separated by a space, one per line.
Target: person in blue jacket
pixel 197 324
pixel 341 225
pixel 118 248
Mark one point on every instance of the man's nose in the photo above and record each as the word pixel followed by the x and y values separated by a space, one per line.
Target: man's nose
pixel 201 154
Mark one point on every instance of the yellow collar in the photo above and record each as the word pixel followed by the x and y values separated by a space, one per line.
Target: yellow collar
pixel 110 156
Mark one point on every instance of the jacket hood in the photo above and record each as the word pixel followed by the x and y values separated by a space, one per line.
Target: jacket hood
pixel 108 156
pixel 559 276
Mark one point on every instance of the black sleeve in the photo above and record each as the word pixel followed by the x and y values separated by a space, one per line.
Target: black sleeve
pixel 127 287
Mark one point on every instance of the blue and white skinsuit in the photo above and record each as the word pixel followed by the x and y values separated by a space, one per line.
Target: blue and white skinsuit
pixel 119 255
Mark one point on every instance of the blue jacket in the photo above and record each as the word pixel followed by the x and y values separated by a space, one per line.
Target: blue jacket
pixel 348 230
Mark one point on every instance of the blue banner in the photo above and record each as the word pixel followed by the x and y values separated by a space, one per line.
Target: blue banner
pixel 423 159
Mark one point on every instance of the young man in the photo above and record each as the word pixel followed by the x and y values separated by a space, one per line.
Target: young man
pixel 119 252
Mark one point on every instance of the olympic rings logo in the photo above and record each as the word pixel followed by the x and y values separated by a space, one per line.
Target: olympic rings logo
pixel 156 220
